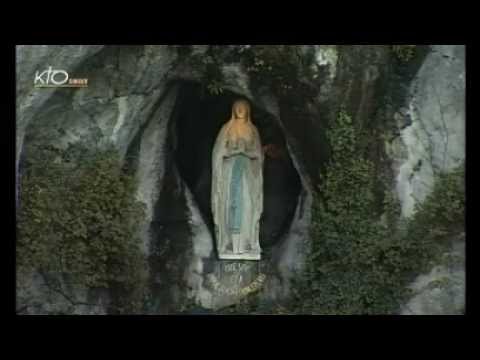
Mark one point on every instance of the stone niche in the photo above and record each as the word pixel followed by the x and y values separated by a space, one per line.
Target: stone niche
pixel 184 206
pixel 197 121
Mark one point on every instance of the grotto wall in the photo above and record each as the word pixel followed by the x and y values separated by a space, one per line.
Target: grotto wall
pixel 123 96
pixel 28 60
pixel 431 125
pixel 129 103
pixel 138 100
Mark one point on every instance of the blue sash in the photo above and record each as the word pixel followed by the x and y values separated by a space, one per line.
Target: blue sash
pixel 236 194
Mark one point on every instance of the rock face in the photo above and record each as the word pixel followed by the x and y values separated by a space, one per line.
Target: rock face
pixel 149 103
pixel 30 59
pixel 442 290
pixel 431 124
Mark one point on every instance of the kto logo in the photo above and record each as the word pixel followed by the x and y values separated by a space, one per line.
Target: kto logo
pixel 57 78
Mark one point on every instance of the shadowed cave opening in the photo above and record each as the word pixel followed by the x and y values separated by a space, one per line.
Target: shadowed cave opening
pixel 197 119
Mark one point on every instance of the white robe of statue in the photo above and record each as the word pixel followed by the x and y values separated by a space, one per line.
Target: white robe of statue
pixel 237 186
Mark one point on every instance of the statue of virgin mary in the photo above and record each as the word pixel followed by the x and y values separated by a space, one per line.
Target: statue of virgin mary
pixel 237 186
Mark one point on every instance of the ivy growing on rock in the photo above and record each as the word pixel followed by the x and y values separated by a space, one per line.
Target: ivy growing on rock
pixel 208 63
pixel 442 214
pixel 282 68
pixel 361 262
pixel 79 219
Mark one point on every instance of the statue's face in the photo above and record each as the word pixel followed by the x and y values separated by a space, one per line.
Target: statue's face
pixel 240 110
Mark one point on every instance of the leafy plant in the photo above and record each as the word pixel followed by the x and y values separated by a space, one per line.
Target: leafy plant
pixel 359 262
pixel 79 219
pixel 280 67
pixel 404 52
pixel 215 87
pixel 442 213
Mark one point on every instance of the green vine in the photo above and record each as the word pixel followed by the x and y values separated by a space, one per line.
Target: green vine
pixel 361 262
